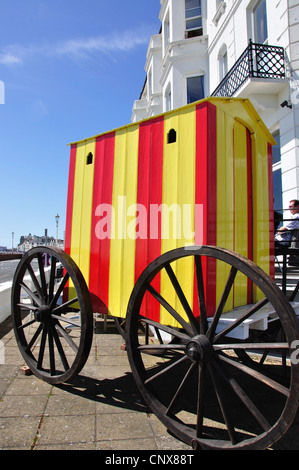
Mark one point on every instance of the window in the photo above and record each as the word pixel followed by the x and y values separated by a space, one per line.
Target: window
pixel 150 84
pixel 195 88
pixel 223 63
pixel 89 159
pixel 193 18
pixel 260 22
pixel 166 33
pixel 171 137
pixel 168 99
pixel 220 10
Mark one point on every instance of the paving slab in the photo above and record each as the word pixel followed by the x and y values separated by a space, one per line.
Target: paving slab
pixel 101 410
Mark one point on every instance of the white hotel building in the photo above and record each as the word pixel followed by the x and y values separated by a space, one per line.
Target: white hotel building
pixel 224 48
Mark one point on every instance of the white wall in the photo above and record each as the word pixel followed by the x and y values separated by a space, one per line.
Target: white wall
pixel 230 25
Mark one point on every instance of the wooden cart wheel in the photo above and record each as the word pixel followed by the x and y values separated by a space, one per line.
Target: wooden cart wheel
pixel 54 333
pixel 200 388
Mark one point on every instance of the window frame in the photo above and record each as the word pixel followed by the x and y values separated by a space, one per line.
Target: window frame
pixel 168 98
pixel 202 77
pixel 166 32
pixel 255 25
pixel 223 62
pixel 196 30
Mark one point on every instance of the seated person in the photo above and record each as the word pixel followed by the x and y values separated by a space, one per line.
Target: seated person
pixel 283 235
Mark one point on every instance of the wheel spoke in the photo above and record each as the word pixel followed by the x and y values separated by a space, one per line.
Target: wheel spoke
pixel 52 278
pixel 201 295
pixel 257 375
pixel 157 332
pixel 162 347
pixel 67 320
pixel 167 329
pixel 27 306
pixel 60 348
pixel 193 322
pixel 35 281
pixel 59 291
pixel 180 388
pixel 263 422
pixel 20 327
pixel 224 297
pixel 51 350
pixel 268 346
pixel 63 307
pixel 31 294
pixel 34 338
pixel 225 409
pixel 42 276
pixel 166 369
pixel 170 310
pixel 200 400
pixel 241 319
pixel 67 337
pixel 42 348
pixel 277 332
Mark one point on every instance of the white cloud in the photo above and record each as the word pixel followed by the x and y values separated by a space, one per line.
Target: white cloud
pixel 8 58
pixel 78 48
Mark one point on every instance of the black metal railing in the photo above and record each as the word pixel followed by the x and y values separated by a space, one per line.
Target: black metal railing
pixel 257 61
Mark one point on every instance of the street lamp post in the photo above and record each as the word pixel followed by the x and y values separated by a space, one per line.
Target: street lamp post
pixel 57 220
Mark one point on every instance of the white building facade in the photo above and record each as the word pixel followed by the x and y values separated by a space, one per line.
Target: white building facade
pixel 224 48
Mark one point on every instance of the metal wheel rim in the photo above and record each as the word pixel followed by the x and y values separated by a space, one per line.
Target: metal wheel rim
pixel 54 339
pixel 286 315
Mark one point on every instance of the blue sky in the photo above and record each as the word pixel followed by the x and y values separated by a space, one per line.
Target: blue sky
pixel 70 70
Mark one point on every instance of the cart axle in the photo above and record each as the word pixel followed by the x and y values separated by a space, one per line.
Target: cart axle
pixel 42 314
pixel 199 349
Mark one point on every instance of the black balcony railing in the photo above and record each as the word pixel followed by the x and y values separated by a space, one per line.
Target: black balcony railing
pixel 257 61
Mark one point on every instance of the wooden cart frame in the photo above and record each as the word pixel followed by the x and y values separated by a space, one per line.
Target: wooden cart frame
pixel 193 376
pixel 219 369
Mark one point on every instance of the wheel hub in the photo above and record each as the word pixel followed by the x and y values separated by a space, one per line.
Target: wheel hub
pixel 42 314
pixel 199 349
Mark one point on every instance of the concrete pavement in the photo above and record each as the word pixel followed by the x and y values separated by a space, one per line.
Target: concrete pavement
pixel 101 410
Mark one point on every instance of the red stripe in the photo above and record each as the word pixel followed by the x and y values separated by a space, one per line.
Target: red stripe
pixel 206 194
pixel 69 211
pixel 271 213
pixel 149 195
pixel 70 199
pixel 100 237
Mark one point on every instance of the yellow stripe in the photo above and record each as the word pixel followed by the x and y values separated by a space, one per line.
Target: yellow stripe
pixel 241 212
pixel 82 207
pixel 122 246
pixel 225 198
pixel 261 234
pixel 178 189
pixel 178 205
pixel 77 203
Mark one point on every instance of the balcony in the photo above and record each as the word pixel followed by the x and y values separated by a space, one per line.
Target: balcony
pixel 259 63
